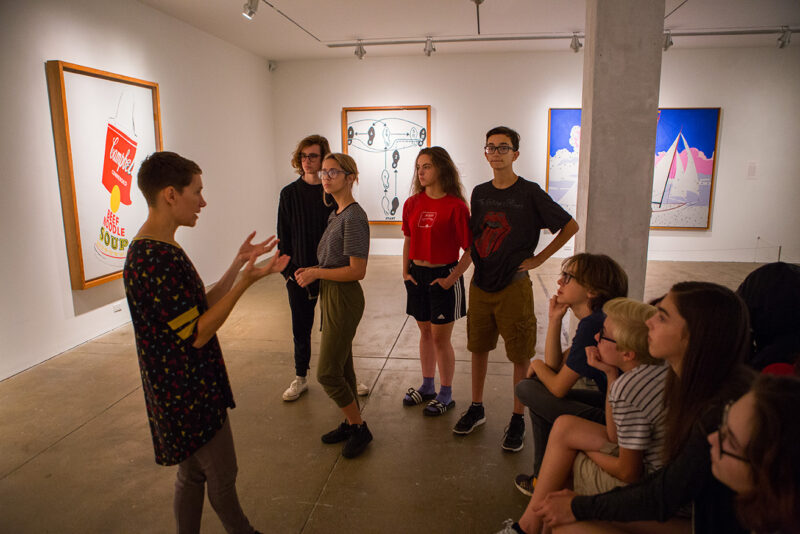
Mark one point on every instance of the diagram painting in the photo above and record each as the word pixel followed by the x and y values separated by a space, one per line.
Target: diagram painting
pixel 683 170
pixel 385 142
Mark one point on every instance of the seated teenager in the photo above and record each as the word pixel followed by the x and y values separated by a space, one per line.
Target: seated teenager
pixel 771 293
pixel 587 282
pixel 754 453
pixel 631 442
pixel 701 330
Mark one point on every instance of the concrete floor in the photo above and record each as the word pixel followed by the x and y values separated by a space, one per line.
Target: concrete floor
pixel 76 454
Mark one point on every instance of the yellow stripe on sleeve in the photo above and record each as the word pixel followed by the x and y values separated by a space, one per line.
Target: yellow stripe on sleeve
pixel 186 332
pixel 188 316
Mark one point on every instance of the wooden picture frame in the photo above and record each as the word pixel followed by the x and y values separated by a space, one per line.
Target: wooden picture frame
pixel 104 125
pixel 683 172
pixel 385 142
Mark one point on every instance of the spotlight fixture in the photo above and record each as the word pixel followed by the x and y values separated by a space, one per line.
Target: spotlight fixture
pixel 575 44
pixel 785 38
pixel 360 51
pixel 429 48
pixel 249 9
pixel 668 40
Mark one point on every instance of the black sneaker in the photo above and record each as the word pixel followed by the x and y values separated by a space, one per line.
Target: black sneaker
pixel 525 484
pixel 360 436
pixel 515 434
pixel 473 417
pixel 339 434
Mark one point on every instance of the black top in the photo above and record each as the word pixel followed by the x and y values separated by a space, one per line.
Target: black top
pixel 505 226
pixel 686 479
pixel 302 218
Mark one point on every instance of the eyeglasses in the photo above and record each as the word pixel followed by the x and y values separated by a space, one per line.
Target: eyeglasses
pixel 723 433
pixel 602 335
pixel 309 157
pixel 567 277
pixel 331 174
pixel 502 149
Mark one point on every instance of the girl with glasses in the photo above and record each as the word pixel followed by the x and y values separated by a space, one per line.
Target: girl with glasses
pixel 436 229
pixel 701 331
pixel 342 252
pixel 754 453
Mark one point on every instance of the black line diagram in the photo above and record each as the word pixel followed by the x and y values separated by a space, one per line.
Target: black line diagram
pixel 389 137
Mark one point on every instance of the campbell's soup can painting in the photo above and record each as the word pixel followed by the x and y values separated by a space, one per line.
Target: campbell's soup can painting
pixel 119 155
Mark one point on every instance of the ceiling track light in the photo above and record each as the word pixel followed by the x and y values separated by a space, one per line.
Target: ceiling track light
pixel 360 51
pixel 429 48
pixel 785 38
pixel 574 38
pixel 668 40
pixel 575 44
pixel 249 9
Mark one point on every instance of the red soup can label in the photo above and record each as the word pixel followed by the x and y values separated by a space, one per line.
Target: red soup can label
pixel 118 162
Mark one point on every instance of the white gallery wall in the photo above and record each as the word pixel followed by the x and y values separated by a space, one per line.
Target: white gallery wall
pixel 758 90
pixel 222 107
pixel 215 109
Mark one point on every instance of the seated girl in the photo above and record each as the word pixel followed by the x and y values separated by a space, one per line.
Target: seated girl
pixel 631 441
pixel 754 453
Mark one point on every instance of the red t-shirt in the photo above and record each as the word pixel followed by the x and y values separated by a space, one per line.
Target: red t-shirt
pixel 438 228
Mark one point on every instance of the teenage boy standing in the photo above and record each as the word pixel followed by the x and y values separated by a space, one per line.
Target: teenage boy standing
pixel 302 218
pixel 508 214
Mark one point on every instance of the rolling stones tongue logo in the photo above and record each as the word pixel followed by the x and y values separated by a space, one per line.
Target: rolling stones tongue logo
pixel 495 229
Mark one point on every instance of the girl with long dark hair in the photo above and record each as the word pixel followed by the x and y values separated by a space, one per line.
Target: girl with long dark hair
pixel 436 228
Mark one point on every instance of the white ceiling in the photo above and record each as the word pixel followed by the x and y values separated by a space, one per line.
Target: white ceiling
pixel 324 22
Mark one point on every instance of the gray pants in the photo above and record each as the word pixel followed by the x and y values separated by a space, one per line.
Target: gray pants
pixel 545 408
pixel 214 465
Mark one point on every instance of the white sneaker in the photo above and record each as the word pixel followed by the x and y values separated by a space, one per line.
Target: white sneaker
pixel 362 389
pixel 298 386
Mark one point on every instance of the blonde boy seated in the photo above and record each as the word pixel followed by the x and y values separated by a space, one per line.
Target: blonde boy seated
pixel 630 443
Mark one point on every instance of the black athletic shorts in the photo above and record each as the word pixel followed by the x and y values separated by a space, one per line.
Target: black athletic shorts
pixel 433 303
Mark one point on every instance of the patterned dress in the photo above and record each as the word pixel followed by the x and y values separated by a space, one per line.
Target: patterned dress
pixel 186 389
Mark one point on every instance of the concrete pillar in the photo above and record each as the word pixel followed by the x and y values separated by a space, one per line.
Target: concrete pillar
pixel 621 76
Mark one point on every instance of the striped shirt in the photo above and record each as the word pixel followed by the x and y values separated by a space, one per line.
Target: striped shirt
pixel 637 407
pixel 347 235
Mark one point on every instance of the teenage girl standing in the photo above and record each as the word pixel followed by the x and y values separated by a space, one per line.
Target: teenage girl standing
pixel 342 253
pixel 436 228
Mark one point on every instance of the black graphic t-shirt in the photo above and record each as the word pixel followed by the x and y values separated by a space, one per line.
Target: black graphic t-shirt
pixel 505 226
